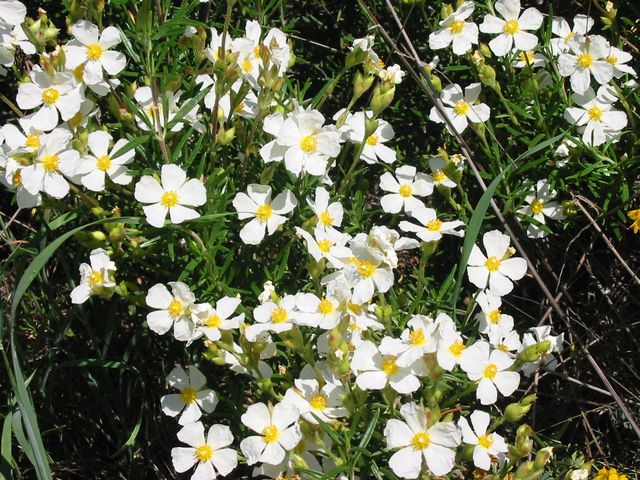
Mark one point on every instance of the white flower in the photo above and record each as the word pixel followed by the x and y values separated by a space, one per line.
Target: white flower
pixel 171 309
pixel 365 44
pixel 619 59
pixel 318 312
pixel 101 162
pixel 547 359
pixel 460 107
pixel 173 195
pixel 368 271
pixel 419 339
pixel 55 158
pixel 505 341
pixel 580 474
pixel 437 444
pixel 374 148
pixel 10 38
pixel 192 397
pixel 272 317
pixel 315 401
pixel 529 59
pixel 375 371
pixel 512 30
pixel 328 244
pixel 454 29
pixel 392 74
pixel 487 445
pixel 329 215
pixel 210 455
pixel 586 57
pixel 155 116
pixel 95 276
pixel 404 187
pixel 438 177
pixel 12 12
pixel 490 368
pixel 52 93
pixel 430 227
pixel 450 346
pixel 540 204
pixel 209 321
pixel 12 178
pixel 497 269
pixel 582 25
pixel 278 431
pixel 491 318
pixel 92 49
pixel 263 370
pixel 26 138
pixel 595 116
pixel 265 213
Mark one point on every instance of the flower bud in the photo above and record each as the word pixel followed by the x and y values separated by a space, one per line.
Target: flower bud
pixel 361 83
pixel 515 412
pixel 542 457
pixel 446 10
pixel 382 98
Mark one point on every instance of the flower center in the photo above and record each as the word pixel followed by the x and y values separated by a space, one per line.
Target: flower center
pixel 175 308
pixel 439 176
pixel 486 440
pixel 76 120
pixel 247 65
pixel 389 366
pixel 416 337
pixel 380 63
pixel 325 307
pixel 33 140
pixel 204 453
pixel 492 264
pixel 457 26
pixel 78 72
pixel 16 179
pixel 325 245
pixel 319 401
pixel 372 139
pixel 569 36
pixel 511 27
pixel 104 163
pixel 50 163
pixel 279 315
pixel 490 371
pixel 537 206
pixel 50 96
pixel 585 60
pixel 434 225
pixel 461 108
pixel 188 395
pixel 612 60
pixel 213 321
pixel 264 212
pixel 494 316
pixel 95 278
pixel 595 113
pixel 309 144
pixel 405 190
pixel 456 348
pixel 503 347
pixel 94 51
pixel 169 199
pixel 366 268
pixel 527 57
pixel 271 433
pixel 326 218
pixel 420 441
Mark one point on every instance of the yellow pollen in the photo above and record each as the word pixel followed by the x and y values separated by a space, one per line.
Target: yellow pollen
pixel 95 278
pixel 595 113
pixel 612 60
pixel 511 27
pixel 416 337
pixel 420 441
pixel 204 453
pixel 271 433
pixel 490 371
pixel 405 190
pixel 50 96
pixel 380 63
pixel 486 440
pixel 503 347
pixel 104 163
pixel 492 264
pixel 175 308
pixel 527 57
pixel 188 395
pixel 256 51
pixel 461 108
pixel 325 307
pixel 213 321
pixel 457 26
pixel 537 206
pixel 94 51
pixel 355 308
pixel 16 180
pixel 434 225
pixel 169 199
pixel 456 348
pixel 389 366
pixel 279 315
pixel 50 163
pixel 241 106
pixel 439 176
pixel 264 212
pixel 585 60
pixel 569 36
pixel 76 120
pixel 319 401
pixel 372 139
pixel 78 72
pixel 325 245
pixel 494 316
pixel 33 140
pixel 309 144
pixel 365 268
pixel 326 218
pixel 247 65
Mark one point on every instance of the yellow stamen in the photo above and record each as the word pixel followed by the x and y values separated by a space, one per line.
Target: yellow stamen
pixel 434 225
pixel 537 206
pixel 264 212
pixel 325 245
pixel 490 371
pixel 365 268
pixel 511 27
pixel 326 218
pixel 279 315
pixel 50 96
pixel 94 51
pixel 204 453
pixel 405 190
pixel 188 395
pixel 456 348
pixel 175 308
pixel 309 144
pixel 438 176
pixel 420 441
pixel 595 114
pixel 486 440
pixel 271 433
pixel 461 108
pixel 611 59
pixel 169 199
pixel 492 264
pixel 95 278
pixel 494 316
pixel 103 163
pixel 416 337
pixel 319 401
pixel 213 321
pixel 389 366
pixel 50 163
pixel 32 140
pixel 457 26
pixel 585 60
pixel 325 307
pixel 372 139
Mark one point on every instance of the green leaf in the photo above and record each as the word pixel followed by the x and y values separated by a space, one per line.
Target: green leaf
pixel 187 107
pixel 136 142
